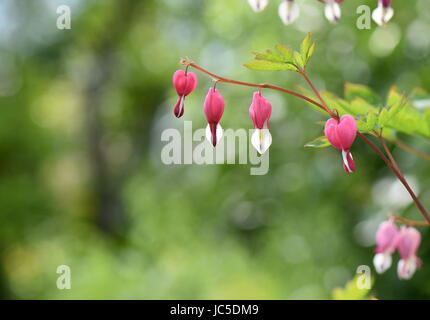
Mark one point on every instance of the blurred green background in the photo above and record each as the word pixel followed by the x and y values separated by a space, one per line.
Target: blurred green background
pixel 82 183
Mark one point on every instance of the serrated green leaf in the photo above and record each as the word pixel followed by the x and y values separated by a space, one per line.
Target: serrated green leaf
pixel 396 108
pixel 311 50
pixel 334 102
pixel 371 120
pixel 285 52
pixel 279 59
pixel 383 117
pixel 361 125
pixel 427 118
pixel 320 142
pixel 305 46
pixel 358 106
pixel 263 65
pixel 269 55
pixel 394 96
pixel 353 91
pixel 299 60
pixel 351 291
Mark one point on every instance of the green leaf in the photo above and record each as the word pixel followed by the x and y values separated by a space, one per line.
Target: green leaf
pixel 371 120
pixel 394 96
pixel 383 118
pixel 353 91
pixel 279 59
pixel 305 46
pixel 351 291
pixel 320 142
pixel 311 51
pixel 268 65
pixel 269 55
pixel 358 106
pixel 285 52
pixel 299 60
pixel 403 116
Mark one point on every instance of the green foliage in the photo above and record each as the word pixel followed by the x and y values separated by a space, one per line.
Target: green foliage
pixel 351 291
pixel 353 91
pixel 267 65
pixel 320 142
pixel 397 114
pixel 307 49
pixel 282 58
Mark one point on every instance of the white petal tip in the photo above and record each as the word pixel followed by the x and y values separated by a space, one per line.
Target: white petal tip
pixel 258 5
pixel 406 268
pixel 261 139
pixel 332 12
pixel 219 133
pixel 288 11
pixel 382 261
pixel 345 161
pixel 382 15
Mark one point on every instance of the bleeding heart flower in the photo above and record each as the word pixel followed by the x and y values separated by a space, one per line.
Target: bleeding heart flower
pixel 386 239
pixel 214 108
pixel 184 84
pixel 341 135
pixel 288 11
pixel 408 241
pixel 258 5
pixel 332 10
pixel 383 13
pixel 260 111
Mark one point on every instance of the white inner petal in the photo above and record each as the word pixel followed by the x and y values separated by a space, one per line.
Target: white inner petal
pixel 261 139
pixel 288 11
pixel 219 133
pixel 345 161
pixel 181 105
pixel 382 15
pixel 258 5
pixel 332 11
pixel 406 268
pixel 382 261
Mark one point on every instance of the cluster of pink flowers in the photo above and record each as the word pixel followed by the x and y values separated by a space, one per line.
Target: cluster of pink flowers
pixel 289 10
pixel 260 111
pixel 406 241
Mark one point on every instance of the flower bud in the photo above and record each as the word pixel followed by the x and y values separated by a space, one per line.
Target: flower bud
pixel 258 5
pixel 383 13
pixel 184 84
pixel 386 238
pixel 341 135
pixel 260 111
pixel 408 241
pixel 288 11
pixel 214 108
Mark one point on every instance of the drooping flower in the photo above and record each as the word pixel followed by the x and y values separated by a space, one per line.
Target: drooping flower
pixel 341 135
pixel 214 108
pixel 260 111
pixel 386 238
pixel 383 13
pixel 408 241
pixel 184 84
pixel 288 11
pixel 332 10
pixel 258 5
